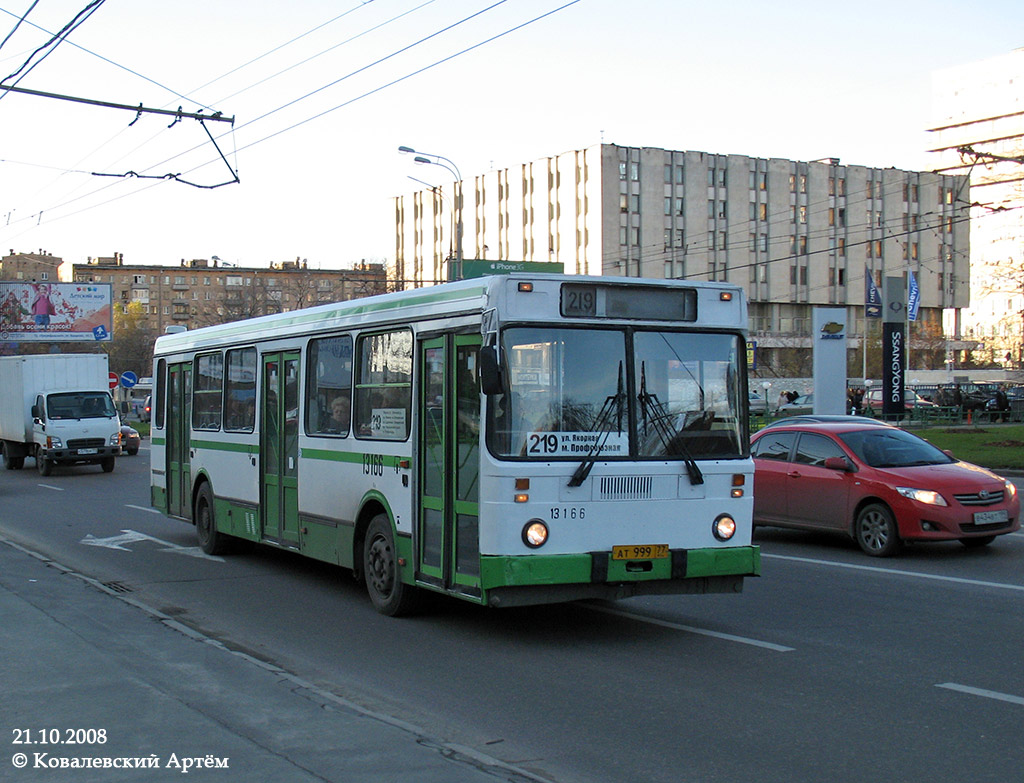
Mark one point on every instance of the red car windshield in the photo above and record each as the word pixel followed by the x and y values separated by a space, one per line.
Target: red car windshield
pixel 893 448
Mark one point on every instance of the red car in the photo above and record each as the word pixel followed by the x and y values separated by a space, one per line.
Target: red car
pixel 879 484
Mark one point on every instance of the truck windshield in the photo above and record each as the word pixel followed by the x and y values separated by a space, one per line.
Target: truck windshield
pixel 608 393
pixel 80 405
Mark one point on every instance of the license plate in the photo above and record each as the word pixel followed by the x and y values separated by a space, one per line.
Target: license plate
pixel 88 451
pixel 991 517
pixel 640 552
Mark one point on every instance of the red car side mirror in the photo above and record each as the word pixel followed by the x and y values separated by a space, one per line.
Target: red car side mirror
pixel 837 463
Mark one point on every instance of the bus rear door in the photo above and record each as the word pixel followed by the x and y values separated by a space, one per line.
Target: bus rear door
pixel 279 449
pixel 178 422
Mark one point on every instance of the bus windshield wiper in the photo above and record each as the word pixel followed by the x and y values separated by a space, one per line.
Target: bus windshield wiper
pixel 659 417
pixel 612 402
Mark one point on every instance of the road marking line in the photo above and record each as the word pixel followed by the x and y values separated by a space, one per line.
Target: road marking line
pixel 144 508
pixel 130 536
pixel 691 629
pixel 896 572
pixel 50 486
pixel 952 686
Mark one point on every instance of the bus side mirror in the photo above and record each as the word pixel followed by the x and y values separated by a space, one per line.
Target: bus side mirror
pixel 490 372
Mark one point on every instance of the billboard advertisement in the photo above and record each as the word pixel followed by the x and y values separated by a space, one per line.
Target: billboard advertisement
pixel 56 312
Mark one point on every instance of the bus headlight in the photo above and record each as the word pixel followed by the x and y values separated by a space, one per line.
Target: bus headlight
pixel 535 533
pixel 724 527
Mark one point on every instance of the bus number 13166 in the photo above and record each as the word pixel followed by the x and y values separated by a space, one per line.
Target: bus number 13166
pixel 570 512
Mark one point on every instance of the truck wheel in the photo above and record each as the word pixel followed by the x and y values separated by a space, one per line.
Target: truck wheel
pixel 45 466
pixel 107 463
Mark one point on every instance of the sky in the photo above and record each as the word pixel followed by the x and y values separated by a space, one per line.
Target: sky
pixel 323 93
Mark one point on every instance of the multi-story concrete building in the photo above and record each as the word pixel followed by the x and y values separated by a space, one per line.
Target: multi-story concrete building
pixel 978 131
pixel 201 292
pixel 794 234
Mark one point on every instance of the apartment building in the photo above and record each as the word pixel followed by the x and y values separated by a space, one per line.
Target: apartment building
pixel 794 234
pixel 978 131
pixel 200 292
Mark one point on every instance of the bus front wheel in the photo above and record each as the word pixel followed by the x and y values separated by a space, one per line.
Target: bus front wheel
pixel 388 593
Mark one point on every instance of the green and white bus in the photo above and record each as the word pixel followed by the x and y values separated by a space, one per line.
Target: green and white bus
pixel 507 440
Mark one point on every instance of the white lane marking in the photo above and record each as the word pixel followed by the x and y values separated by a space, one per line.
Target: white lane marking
pixel 144 508
pixel 896 572
pixel 130 536
pixel 691 629
pixel 50 486
pixel 953 686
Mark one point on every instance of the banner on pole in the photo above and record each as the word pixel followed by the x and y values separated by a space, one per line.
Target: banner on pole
pixel 872 297
pixel 913 297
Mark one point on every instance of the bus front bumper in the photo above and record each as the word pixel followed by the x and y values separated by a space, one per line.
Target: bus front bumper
pixel 532 579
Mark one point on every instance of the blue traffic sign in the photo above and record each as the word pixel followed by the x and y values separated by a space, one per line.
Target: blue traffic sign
pixel 129 379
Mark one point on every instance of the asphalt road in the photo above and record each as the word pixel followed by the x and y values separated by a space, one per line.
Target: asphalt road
pixel 831 667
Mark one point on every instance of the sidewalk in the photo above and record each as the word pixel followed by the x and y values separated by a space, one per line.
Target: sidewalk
pixel 156 699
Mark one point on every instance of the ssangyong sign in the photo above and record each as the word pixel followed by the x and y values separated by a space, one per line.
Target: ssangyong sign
pixel 894 361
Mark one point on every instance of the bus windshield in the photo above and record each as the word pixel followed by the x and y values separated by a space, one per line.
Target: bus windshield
pixel 582 393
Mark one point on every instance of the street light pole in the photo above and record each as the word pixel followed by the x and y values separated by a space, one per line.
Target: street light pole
pixel 445 163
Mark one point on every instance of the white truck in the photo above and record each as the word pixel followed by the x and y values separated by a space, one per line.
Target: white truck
pixel 57 408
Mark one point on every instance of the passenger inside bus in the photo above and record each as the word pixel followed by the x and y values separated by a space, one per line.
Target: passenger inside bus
pixel 341 407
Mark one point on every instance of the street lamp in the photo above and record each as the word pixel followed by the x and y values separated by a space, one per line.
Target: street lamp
pixel 445 163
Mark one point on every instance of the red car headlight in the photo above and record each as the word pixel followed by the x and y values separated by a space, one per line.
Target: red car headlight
pixel 931 497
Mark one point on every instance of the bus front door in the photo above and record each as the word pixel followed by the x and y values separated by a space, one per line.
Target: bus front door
pixel 279 449
pixel 178 422
pixel 448 548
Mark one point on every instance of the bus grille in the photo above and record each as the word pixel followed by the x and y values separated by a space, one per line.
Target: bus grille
pixel 625 487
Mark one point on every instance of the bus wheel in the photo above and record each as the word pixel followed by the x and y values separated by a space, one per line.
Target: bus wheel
pixel 211 541
pixel 388 593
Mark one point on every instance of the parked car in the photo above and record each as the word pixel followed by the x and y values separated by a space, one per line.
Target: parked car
pixel 879 484
pixel 807 418
pixel 911 400
pixel 757 403
pixel 130 440
pixel 146 412
pixel 802 404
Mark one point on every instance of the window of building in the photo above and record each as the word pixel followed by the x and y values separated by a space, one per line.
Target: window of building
pixel 233 280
